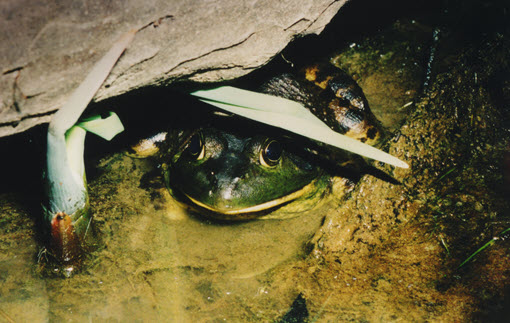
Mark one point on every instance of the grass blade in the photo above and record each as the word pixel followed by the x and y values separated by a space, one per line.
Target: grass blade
pixel 482 248
pixel 288 115
pixel 65 177
pixel 69 114
pixel 257 101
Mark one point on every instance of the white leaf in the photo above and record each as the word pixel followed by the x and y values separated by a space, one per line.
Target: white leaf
pixel 288 115
pixel 105 128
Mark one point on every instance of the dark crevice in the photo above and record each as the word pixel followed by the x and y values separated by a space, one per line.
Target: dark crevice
pixel 210 52
pixel 15 123
pixel 12 70
pixel 157 22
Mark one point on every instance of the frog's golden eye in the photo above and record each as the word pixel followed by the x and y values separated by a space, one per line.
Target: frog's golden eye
pixel 196 147
pixel 270 153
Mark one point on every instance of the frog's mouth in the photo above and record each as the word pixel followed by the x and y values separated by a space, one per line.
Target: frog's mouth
pixel 253 211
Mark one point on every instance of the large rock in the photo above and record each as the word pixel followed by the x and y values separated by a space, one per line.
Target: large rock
pixel 48 46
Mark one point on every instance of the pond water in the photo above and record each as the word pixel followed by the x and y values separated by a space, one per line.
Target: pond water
pixel 389 251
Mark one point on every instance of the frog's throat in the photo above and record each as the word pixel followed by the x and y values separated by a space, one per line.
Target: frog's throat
pixel 260 207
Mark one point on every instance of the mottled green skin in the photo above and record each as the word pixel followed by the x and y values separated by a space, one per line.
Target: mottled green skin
pixel 230 175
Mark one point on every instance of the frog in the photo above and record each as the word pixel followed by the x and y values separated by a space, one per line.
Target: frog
pixel 229 168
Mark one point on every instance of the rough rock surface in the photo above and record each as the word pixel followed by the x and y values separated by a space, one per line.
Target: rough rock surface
pixel 48 46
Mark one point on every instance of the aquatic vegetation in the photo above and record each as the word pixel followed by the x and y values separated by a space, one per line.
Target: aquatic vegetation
pixel 485 246
pixel 66 210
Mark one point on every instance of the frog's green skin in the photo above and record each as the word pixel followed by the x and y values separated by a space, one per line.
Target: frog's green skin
pixel 242 170
pixel 236 174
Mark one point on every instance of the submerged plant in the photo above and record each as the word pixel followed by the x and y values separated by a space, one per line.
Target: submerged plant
pixel 67 209
pixel 485 246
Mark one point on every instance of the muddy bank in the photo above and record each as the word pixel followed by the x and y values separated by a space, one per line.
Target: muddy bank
pixel 393 252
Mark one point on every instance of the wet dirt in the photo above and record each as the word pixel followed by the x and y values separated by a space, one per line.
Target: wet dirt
pixel 390 252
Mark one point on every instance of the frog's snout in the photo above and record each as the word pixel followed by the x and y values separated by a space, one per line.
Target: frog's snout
pixel 225 187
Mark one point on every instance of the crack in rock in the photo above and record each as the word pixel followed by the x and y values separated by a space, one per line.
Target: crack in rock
pixel 191 42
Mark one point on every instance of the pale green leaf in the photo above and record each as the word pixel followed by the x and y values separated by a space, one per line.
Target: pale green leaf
pixel 69 114
pixel 291 116
pixel 257 101
pixel 106 128
pixel 66 183
pixel 75 146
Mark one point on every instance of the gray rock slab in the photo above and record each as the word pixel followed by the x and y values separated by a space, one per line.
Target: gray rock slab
pixel 48 46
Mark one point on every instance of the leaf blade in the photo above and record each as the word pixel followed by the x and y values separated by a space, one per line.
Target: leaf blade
pixel 257 101
pixel 311 130
pixel 106 128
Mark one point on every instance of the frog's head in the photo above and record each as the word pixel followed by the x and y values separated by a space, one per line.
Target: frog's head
pixel 238 176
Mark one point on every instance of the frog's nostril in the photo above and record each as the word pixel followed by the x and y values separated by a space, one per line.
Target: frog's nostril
pixel 227 190
pixel 212 179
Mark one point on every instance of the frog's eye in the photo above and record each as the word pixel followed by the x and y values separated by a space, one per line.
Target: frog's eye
pixel 196 146
pixel 270 153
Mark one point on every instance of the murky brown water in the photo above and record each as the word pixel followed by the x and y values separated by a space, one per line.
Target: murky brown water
pixel 389 253
pixel 157 262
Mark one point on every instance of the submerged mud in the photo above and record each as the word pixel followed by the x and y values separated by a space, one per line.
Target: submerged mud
pixel 391 252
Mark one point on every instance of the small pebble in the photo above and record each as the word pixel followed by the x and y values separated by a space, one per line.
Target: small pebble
pixel 478 206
